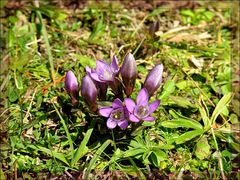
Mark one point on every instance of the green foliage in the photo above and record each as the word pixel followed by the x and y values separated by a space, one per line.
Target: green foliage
pixel 196 131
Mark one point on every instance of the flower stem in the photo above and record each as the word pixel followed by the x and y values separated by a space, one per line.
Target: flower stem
pixel 114 144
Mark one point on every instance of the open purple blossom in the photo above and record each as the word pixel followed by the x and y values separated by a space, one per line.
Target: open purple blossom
pixel 154 79
pixel 89 92
pixel 141 110
pixel 117 114
pixel 104 72
pixel 71 85
pixel 129 73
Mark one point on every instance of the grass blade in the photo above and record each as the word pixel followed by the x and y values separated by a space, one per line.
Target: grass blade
pixel 95 157
pixel 66 129
pixel 45 37
pixel 81 150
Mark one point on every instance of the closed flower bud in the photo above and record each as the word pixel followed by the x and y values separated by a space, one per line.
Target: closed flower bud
pixel 71 85
pixel 154 79
pixel 129 73
pixel 89 92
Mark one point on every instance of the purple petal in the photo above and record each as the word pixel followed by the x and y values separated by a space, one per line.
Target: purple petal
pixel 88 69
pixel 96 78
pixel 114 64
pixel 105 111
pixel 154 79
pixel 149 118
pixel 111 123
pixel 130 105
pixel 142 98
pixel 133 118
pixel 153 106
pixel 117 103
pixel 71 83
pixel 89 91
pixel 123 124
pixel 101 65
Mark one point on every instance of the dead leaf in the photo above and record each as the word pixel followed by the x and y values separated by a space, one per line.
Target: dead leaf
pixel 187 37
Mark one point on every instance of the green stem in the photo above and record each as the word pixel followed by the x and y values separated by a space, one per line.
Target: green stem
pixel 218 154
pixel 114 144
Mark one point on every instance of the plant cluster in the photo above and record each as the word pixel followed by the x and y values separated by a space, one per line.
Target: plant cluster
pixel 123 109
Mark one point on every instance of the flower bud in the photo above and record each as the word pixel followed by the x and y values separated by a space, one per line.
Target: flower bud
pixel 71 85
pixel 89 92
pixel 154 79
pixel 129 73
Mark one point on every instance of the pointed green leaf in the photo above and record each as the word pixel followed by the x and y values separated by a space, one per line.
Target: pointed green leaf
pixel 168 88
pixel 221 106
pixel 188 136
pixel 180 122
pixel 95 157
pixel 57 155
pixel 158 156
pixel 204 113
pixel 134 152
pixel 82 150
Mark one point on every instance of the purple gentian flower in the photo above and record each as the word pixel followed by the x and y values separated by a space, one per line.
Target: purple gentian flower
pixel 71 85
pixel 154 79
pixel 102 87
pixel 89 92
pixel 129 73
pixel 141 110
pixel 105 72
pixel 117 114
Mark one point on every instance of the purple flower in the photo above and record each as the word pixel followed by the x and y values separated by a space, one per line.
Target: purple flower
pixel 71 85
pixel 89 92
pixel 104 72
pixel 129 73
pixel 141 110
pixel 154 79
pixel 117 114
pixel 102 87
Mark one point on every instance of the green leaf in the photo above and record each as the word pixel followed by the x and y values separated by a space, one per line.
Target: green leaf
pixel 157 156
pixel 82 150
pixel 57 155
pixel 187 12
pixel 19 62
pixel 168 88
pixel 98 30
pixel 180 122
pixel 203 148
pixel 188 136
pixel 204 113
pixel 134 152
pixel 181 101
pixel 95 157
pixel 148 123
pixel 177 115
pixel 157 11
pixel 85 60
pixel 221 106
pixel 166 146
pixel 13 94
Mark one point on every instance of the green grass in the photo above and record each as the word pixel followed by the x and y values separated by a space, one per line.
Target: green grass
pixel 196 131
